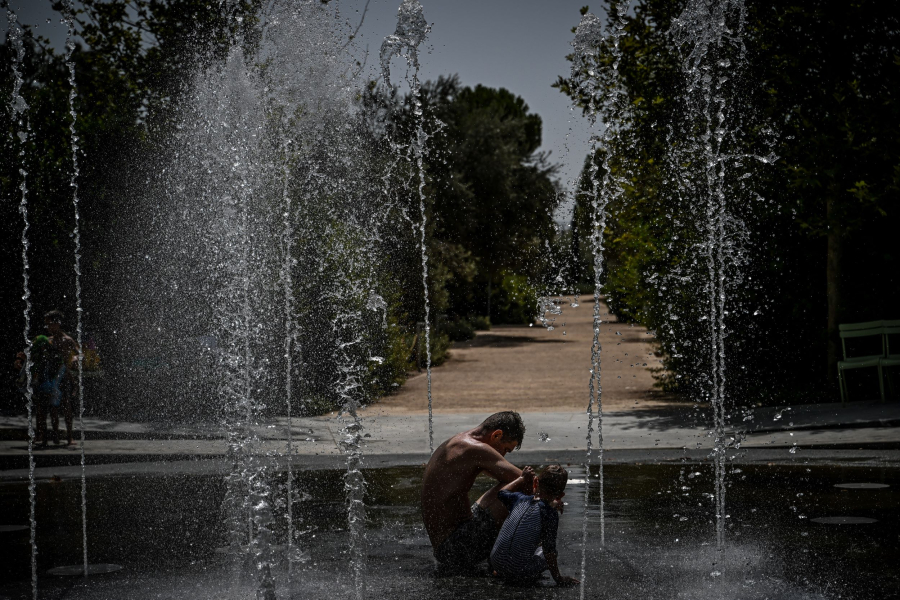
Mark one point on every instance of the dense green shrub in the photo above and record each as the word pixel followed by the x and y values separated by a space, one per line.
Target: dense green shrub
pixel 481 323
pixel 515 301
pixel 458 330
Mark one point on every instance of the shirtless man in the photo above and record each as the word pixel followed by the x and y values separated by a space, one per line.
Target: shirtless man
pixel 462 536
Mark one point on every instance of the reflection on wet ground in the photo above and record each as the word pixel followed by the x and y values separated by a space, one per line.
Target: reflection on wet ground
pixel 166 531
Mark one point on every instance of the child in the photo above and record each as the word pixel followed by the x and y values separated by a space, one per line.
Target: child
pixel 47 372
pixel 526 545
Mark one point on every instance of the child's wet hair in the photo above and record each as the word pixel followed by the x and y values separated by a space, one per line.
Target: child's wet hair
pixel 552 480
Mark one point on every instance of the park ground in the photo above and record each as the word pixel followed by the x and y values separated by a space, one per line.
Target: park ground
pixel 539 372
pixel 538 369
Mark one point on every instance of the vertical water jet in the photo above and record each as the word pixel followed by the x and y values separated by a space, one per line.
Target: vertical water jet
pixel 353 284
pixel 412 28
pixel 710 35
pixel 588 37
pixel 287 282
pixel 602 99
pixel 69 19
pixel 19 108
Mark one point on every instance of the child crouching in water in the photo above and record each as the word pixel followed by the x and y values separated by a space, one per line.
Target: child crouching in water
pixel 526 545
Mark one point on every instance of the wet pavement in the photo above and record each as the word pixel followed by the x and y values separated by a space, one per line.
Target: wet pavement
pixel 155 507
pixel 167 533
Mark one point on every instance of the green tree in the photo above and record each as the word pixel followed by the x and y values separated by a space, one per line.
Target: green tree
pixel 132 59
pixel 493 194
pixel 819 89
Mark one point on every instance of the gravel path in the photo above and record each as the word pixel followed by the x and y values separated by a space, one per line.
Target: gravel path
pixel 534 369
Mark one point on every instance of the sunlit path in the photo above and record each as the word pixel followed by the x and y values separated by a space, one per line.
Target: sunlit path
pixel 531 369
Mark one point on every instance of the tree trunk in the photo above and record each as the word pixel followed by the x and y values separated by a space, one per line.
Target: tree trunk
pixel 833 287
pixel 490 280
pixel 575 261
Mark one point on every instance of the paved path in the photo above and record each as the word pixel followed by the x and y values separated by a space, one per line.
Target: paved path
pixel 533 369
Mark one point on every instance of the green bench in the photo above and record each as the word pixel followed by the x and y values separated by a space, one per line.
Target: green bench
pixel 883 329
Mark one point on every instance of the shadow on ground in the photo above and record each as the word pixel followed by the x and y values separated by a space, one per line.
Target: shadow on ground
pixel 504 341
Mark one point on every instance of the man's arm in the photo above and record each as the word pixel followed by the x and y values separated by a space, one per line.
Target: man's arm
pixel 496 466
pixel 523 483
pixel 489 460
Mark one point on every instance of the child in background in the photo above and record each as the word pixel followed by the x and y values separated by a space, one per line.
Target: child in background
pixel 48 370
pixel 526 545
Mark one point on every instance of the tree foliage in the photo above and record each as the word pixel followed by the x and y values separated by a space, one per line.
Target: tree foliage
pixel 492 195
pixel 489 194
pixel 132 59
pixel 819 90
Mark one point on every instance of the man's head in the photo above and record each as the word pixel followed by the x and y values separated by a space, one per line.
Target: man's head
pixel 552 482
pixel 504 431
pixel 53 320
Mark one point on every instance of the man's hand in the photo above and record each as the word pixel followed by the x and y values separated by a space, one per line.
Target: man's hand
pixel 559 578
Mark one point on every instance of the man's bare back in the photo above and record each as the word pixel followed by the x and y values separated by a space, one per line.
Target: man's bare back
pixel 451 472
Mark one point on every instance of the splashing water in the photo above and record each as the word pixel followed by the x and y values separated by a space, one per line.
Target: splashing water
pixel 69 19
pixel 287 282
pixel 19 106
pixel 267 196
pixel 555 292
pixel 605 100
pixel 710 34
pixel 412 28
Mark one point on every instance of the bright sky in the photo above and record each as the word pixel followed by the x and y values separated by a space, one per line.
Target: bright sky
pixel 520 45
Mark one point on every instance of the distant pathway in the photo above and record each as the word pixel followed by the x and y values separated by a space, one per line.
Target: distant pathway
pixel 531 369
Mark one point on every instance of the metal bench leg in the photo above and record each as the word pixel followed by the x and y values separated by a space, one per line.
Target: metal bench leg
pixel 881 382
pixel 841 384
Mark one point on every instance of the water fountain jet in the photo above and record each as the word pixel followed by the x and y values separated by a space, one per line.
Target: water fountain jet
pixel 19 108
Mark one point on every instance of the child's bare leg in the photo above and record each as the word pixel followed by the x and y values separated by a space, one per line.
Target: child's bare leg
pixel 54 420
pixel 40 418
pixel 67 408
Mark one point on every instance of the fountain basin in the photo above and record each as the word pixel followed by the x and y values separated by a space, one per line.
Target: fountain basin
pixel 166 531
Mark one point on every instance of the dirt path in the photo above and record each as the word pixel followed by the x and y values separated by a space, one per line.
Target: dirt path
pixel 532 369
